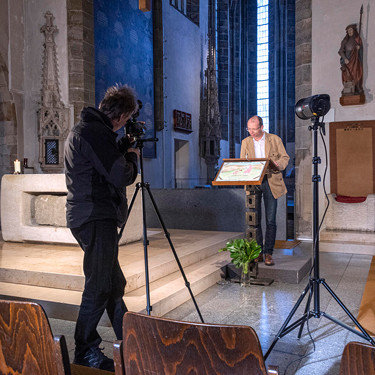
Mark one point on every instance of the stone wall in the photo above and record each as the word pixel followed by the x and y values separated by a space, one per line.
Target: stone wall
pixel 81 52
pixel 10 85
pixel 222 209
pixel 8 123
pixel 303 144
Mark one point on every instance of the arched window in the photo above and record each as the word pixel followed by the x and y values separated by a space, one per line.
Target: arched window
pixel 263 62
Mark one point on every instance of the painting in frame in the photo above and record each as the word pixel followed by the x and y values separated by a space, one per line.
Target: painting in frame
pixel 242 172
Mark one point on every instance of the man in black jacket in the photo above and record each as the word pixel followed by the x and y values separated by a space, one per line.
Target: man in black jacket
pixel 97 172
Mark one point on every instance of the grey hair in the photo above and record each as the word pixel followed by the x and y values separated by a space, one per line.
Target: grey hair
pixel 118 100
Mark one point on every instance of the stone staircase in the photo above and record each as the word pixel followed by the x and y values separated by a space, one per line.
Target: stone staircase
pixel 52 274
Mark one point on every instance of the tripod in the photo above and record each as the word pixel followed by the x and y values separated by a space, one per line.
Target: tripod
pixel 146 186
pixel 312 288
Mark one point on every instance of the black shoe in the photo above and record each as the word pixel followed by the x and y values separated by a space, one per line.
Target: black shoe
pixel 95 358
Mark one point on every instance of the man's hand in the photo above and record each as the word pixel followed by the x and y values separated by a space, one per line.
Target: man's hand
pixel 135 150
pixel 125 143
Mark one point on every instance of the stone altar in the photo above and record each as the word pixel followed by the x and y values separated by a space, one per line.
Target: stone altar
pixel 24 198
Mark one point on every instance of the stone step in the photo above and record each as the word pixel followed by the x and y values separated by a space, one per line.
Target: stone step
pixel 346 236
pixel 340 241
pixel 165 294
pixel 65 272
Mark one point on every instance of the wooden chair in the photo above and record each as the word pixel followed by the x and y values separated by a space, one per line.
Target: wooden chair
pixel 27 346
pixel 358 359
pixel 158 346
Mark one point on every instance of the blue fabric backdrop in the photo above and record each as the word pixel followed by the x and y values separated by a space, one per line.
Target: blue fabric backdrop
pixel 124 55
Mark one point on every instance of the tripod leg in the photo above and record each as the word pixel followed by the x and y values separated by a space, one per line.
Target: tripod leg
pixel 147 185
pixel 137 187
pixel 364 334
pixel 307 308
pixel 283 330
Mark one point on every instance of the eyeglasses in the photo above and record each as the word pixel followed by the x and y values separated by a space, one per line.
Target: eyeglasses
pixel 253 130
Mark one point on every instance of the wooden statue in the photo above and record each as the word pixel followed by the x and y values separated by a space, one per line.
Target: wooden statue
pixel 351 60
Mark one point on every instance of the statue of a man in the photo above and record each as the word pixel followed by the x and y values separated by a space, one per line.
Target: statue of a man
pixel 351 52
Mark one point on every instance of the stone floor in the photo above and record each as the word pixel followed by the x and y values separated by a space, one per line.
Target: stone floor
pixel 265 308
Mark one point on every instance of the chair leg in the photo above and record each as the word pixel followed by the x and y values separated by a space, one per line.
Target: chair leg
pixel 118 358
pixel 272 370
pixel 62 352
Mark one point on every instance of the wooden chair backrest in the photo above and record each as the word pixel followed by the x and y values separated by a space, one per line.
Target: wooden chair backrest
pixel 27 345
pixel 153 345
pixel 358 359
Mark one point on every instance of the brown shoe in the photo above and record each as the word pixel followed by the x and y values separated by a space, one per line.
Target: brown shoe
pixel 259 258
pixel 269 261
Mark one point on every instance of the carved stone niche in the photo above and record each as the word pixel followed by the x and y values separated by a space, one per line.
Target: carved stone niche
pixel 53 117
pixel 53 130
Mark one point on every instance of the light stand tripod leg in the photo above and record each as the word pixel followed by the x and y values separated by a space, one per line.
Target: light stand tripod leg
pixel 307 308
pixel 167 235
pixel 364 334
pixel 316 281
pixel 284 330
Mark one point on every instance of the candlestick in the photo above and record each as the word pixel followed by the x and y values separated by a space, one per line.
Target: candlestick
pixel 17 167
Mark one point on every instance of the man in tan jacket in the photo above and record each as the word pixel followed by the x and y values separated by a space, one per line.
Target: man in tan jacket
pixel 264 145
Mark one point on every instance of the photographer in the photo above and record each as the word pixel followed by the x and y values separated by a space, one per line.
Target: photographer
pixel 97 172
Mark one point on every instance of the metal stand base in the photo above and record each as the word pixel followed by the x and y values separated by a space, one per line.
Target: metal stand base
pixel 312 288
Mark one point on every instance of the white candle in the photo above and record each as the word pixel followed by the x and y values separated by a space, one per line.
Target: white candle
pixel 17 166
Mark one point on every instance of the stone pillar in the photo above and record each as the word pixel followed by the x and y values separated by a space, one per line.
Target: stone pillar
pixel 8 123
pixel 303 202
pixel 81 54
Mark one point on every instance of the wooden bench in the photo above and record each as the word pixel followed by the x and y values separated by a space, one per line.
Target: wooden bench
pixel 358 359
pixel 158 346
pixel 27 346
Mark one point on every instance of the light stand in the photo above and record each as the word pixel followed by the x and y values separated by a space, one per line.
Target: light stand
pixel 312 288
pixel 146 186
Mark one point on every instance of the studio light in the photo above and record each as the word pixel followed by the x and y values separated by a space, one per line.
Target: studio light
pixel 313 106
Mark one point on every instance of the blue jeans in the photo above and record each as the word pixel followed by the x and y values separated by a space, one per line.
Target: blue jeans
pixel 270 204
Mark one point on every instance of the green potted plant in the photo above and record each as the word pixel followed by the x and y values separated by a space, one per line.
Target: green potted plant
pixel 242 252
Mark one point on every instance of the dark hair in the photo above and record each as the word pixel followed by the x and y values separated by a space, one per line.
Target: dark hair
pixel 259 119
pixel 355 31
pixel 118 100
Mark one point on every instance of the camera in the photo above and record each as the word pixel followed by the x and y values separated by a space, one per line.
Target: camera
pixel 133 128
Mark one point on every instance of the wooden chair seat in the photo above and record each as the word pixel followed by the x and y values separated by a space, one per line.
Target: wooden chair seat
pixel 158 346
pixel 358 359
pixel 27 346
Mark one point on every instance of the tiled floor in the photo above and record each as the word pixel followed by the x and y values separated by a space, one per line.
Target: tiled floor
pixel 265 308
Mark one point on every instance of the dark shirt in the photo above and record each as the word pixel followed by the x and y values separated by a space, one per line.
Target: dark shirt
pixel 96 171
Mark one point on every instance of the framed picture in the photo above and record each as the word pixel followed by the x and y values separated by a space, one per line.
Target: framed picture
pixel 242 171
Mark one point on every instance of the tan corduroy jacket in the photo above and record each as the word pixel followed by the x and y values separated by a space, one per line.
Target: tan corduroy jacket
pixel 275 150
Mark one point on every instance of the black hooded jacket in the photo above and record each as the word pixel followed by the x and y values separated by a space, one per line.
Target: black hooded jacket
pixel 96 172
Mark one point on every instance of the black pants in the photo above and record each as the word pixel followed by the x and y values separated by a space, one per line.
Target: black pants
pixel 104 283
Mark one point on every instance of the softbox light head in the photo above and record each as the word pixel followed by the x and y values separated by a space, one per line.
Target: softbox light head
pixel 313 106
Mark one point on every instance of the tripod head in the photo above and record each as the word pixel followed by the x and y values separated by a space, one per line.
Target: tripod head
pixel 140 141
pixel 316 123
